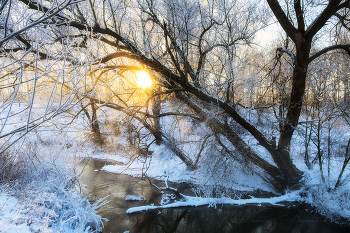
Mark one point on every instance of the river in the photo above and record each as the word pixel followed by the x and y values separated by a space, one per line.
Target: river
pixel 294 217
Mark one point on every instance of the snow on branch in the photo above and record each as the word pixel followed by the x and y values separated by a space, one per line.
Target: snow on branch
pixel 290 53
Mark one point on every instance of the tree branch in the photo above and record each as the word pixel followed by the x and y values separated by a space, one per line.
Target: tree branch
pixel 172 114
pixel 290 53
pixel 282 19
pixel 300 15
pixel 172 77
pixel 342 21
pixel 175 62
pixel 54 13
pixel 345 4
pixel 201 53
pixel 322 19
pixel 345 47
pixel 113 44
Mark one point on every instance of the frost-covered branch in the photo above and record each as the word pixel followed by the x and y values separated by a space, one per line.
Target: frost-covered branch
pixel 41 20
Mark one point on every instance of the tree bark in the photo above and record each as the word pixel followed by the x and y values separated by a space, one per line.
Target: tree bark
pixel 95 126
pixel 282 156
pixel 156 107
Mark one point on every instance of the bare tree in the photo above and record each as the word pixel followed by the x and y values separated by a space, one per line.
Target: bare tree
pixel 190 49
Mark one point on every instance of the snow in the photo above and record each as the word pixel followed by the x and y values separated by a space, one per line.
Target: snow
pixel 13 219
pixel 135 198
pixel 200 201
pixel 163 165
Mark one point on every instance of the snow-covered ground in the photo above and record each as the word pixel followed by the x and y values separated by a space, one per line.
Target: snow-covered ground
pixel 44 211
pixel 13 217
pixel 39 189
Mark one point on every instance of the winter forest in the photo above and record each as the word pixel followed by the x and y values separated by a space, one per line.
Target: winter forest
pixel 151 115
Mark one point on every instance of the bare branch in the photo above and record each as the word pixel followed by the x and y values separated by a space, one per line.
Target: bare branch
pixel 54 13
pixel 300 15
pixel 342 21
pixel 345 47
pixel 201 53
pixel 282 19
pixel 172 114
pixel 322 19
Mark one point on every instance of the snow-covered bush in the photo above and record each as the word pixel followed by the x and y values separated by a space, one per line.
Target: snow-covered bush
pixel 11 168
pixel 334 204
pixel 324 197
pixel 45 189
pixel 50 209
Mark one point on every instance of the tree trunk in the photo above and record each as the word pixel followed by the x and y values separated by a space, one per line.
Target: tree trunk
pixel 282 156
pixel 95 126
pixel 156 107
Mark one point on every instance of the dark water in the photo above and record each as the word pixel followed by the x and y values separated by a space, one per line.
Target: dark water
pixel 227 218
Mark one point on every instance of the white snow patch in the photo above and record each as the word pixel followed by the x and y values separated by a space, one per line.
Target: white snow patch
pixel 12 218
pixel 199 201
pixel 135 198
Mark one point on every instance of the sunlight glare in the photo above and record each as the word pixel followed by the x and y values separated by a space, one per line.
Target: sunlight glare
pixel 143 79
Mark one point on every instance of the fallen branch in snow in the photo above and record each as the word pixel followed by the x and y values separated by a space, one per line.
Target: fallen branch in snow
pixel 199 201
pixel 166 188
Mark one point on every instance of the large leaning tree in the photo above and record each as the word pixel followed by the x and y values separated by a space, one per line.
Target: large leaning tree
pixel 189 48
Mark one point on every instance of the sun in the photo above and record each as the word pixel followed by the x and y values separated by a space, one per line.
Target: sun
pixel 143 79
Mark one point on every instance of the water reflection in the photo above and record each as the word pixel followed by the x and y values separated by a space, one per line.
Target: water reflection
pixel 236 219
pixel 226 218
